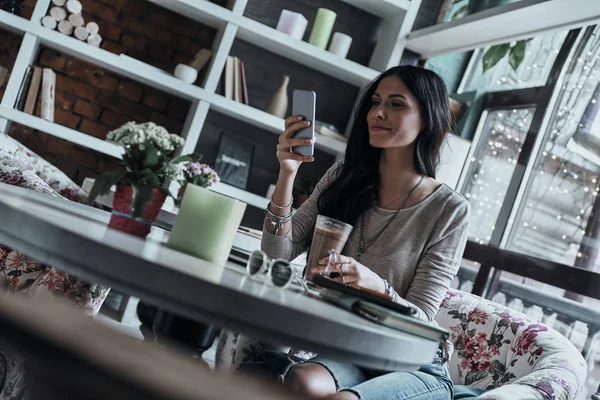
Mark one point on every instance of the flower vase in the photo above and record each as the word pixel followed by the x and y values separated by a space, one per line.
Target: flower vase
pixel 121 219
pixel 278 103
pixel 179 198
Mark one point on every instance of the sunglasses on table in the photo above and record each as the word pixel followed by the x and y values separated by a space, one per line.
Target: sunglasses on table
pixel 280 271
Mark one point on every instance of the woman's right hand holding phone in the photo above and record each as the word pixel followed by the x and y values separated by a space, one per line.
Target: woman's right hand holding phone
pixel 288 160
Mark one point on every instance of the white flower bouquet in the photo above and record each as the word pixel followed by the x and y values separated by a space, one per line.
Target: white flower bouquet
pixel 148 163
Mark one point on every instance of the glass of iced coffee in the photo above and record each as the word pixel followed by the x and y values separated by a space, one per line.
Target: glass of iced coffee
pixel 330 234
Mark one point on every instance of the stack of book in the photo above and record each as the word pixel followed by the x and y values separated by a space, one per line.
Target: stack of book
pixel 234 80
pixel 37 83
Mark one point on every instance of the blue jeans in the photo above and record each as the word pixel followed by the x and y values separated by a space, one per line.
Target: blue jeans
pixel 430 382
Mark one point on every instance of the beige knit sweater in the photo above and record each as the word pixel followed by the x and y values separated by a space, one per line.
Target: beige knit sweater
pixel 419 253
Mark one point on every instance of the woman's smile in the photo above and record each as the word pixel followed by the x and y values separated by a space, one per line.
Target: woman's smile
pixel 378 128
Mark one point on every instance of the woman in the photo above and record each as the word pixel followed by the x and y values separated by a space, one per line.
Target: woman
pixel 409 230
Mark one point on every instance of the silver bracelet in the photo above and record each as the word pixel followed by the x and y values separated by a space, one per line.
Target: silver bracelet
pixel 279 218
pixel 277 221
pixel 280 207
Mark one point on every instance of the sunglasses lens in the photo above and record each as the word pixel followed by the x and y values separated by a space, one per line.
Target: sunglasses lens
pixel 281 273
pixel 255 263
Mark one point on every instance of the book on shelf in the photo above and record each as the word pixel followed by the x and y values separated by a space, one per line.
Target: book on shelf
pixel 229 77
pixel 234 80
pixel 201 59
pixel 244 84
pixel 22 94
pixel 237 80
pixel 34 89
pixel 48 93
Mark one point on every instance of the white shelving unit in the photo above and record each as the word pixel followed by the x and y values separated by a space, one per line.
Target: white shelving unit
pixel 62 132
pixel 502 24
pixel 398 16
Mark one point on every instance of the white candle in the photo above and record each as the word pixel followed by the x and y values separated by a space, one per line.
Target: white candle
pixel 340 44
pixel 292 23
pixel 74 6
pixel 65 27
pixel 49 22
pixel 94 39
pixel 81 33
pixel 58 13
pixel 76 20
pixel 93 28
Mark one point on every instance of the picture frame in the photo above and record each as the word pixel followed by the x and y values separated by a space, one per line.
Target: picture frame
pixel 234 160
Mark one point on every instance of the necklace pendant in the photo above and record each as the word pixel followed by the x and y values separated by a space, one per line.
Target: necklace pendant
pixel 360 252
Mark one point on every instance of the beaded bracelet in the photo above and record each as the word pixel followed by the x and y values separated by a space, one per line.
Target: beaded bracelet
pixel 281 207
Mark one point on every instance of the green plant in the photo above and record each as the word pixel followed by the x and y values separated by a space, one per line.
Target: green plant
pixel 148 163
pixel 494 54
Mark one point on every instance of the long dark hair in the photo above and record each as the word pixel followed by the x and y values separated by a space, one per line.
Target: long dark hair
pixel 356 188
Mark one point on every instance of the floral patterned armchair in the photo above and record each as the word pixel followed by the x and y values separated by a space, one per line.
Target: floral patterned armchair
pixel 495 348
pixel 18 273
pixel 507 352
pixel 18 162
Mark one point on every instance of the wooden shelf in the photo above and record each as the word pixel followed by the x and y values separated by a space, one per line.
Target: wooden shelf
pixel 303 52
pixel 241 194
pixel 381 8
pixel 277 42
pixel 268 122
pixel 151 76
pixel 200 10
pixel 62 132
pixel 503 24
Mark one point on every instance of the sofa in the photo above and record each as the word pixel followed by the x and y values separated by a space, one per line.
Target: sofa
pixel 497 349
pixel 21 167
pixel 21 274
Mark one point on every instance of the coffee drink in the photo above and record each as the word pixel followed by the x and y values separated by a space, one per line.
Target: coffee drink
pixel 329 234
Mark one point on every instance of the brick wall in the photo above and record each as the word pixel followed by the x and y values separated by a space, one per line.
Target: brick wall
pixel 93 100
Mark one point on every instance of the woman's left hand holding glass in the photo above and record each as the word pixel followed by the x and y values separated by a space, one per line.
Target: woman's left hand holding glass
pixel 352 272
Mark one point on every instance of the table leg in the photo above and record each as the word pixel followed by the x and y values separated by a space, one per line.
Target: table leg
pixel 194 336
pixel 147 314
pixel 163 326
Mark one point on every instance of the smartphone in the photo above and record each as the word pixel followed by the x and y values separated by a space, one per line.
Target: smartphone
pixel 363 294
pixel 304 103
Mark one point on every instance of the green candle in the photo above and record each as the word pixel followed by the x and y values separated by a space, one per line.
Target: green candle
pixel 321 30
pixel 206 224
